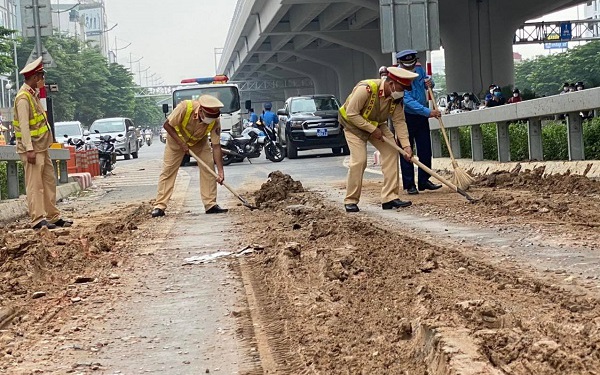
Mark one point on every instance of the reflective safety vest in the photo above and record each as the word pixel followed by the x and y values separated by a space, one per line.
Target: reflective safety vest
pixel 38 124
pixel 366 113
pixel 182 129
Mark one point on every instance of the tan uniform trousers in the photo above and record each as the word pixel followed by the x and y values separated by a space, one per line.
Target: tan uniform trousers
pixel 171 162
pixel 40 185
pixel 358 164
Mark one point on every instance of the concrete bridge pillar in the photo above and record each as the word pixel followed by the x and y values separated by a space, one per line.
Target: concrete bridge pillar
pixel 477 39
pixel 575 136
pixel 476 143
pixel 534 135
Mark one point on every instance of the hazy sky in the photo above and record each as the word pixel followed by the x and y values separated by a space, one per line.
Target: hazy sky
pixel 176 38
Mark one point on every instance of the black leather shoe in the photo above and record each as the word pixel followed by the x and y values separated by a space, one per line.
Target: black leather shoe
pixel 352 207
pixel 157 212
pixel 412 190
pixel 63 223
pixel 44 223
pixel 216 210
pixel 428 185
pixel 396 203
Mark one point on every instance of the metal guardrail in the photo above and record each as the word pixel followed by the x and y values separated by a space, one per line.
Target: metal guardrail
pixel 9 155
pixel 570 104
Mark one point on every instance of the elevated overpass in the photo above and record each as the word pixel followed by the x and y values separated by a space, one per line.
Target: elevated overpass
pixel 336 43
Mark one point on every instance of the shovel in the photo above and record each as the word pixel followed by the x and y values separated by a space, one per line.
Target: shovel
pixel 203 164
pixel 428 170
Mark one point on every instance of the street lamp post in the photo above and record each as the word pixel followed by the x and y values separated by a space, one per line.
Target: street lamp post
pixel 140 71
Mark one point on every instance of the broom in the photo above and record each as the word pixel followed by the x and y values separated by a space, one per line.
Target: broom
pixel 460 177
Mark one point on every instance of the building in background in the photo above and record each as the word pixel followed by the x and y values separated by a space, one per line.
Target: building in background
pixel 82 19
pixel 8 20
pixel 591 11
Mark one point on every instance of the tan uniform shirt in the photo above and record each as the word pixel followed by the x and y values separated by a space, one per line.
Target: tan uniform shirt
pixel 357 103
pixel 195 126
pixel 23 115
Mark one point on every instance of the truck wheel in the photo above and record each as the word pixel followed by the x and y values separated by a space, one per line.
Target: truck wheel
pixel 346 150
pixel 127 156
pixel 337 150
pixel 292 151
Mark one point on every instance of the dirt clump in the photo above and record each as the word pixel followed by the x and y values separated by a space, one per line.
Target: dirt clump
pixel 277 188
pixel 343 294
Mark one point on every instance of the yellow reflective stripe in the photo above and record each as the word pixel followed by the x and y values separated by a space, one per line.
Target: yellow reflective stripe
pixel 370 105
pixel 186 119
pixel 37 118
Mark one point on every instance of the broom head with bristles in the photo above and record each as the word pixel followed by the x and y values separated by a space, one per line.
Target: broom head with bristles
pixel 461 178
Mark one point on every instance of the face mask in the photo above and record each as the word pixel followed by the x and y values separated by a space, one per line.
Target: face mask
pixel 408 66
pixel 467 100
pixel 497 94
pixel 452 98
pixel 397 95
pixel 515 95
pixel 207 120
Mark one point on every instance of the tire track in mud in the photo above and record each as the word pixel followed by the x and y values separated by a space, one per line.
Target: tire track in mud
pixel 344 295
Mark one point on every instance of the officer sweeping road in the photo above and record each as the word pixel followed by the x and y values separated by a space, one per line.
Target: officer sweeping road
pixel 33 138
pixel 188 128
pixel 364 117
pixel 417 119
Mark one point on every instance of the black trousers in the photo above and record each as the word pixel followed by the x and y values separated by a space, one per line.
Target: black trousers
pixel 419 135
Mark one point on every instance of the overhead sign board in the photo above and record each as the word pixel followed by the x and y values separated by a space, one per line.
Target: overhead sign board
pixel 45 11
pixel 409 24
pixel 565 31
pixel 557 45
pixel 91 17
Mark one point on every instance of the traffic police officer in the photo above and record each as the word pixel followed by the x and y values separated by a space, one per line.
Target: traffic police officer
pixel 364 117
pixel 33 138
pixel 189 127
pixel 417 119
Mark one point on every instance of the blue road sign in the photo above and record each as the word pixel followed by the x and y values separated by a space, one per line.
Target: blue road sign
pixel 559 45
pixel 565 31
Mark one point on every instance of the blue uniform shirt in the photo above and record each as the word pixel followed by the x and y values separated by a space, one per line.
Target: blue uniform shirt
pixel 270 119
pixel 415 101
pixel 253 117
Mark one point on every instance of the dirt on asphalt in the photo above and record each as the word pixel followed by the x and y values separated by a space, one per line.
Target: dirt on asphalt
pixel 345 294
pixel 338 293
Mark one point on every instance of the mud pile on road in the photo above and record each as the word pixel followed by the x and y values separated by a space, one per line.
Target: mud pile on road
pixel 277 188
pixel 535 180
pixel 340 294
pixel 43 263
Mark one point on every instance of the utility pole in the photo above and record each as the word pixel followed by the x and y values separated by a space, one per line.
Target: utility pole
pixel 37 27
pixel 131 62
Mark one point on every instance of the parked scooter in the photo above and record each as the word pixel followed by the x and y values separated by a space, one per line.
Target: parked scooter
pixel 107 154
pixel 250 145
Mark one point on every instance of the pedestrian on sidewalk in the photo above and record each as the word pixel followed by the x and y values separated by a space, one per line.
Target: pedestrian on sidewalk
pixel 188 128
pixel 417 118
pixel 364 117
pixel 33 139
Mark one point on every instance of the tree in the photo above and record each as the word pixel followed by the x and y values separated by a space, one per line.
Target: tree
pixel 120 101
pixel 6 51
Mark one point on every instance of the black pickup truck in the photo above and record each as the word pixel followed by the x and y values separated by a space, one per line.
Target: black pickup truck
pixel 310 122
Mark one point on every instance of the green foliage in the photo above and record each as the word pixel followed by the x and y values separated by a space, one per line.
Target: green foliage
pixel 7 65
pixel 554 141
pixel 545 75
pixel 591 137
pixel 89 87
pixel 440 82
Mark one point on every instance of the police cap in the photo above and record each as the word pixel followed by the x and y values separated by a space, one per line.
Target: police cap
pixel 210 104
pixel 33 68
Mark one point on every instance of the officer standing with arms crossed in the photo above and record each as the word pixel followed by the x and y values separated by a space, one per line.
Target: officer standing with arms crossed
pixel 417 118
pixel 33 138
pixel 364 117
pixel 188 128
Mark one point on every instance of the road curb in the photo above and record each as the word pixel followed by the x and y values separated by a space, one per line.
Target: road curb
pixel 13 209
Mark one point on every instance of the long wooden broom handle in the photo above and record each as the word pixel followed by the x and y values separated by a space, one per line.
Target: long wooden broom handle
pixel 421 165
pixel 212 171
pixel 441 124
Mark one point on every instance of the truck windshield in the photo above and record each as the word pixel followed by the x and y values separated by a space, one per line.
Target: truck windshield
pixel 228 95
pixel 310 105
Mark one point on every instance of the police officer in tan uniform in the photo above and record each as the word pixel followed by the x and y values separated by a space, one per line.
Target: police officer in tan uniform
pixel 188 128
pixel 33 138
pixel 364 117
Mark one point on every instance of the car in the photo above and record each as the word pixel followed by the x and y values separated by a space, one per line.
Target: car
pixel 120 128
pixel 70 129
pixel 310 122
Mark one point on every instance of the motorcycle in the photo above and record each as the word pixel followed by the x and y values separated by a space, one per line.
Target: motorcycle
pixel 107 154
pixel 148 138
pixel 250 145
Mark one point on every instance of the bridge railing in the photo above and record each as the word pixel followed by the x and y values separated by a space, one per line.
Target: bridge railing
pixel 8 155
pixel 531 111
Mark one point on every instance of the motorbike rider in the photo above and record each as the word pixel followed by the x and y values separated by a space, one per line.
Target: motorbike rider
pixel 253 118
pixel 189 127
pixel 269 118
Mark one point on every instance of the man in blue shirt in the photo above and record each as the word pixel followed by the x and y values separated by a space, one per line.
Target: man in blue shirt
pixel 269 118
pixel 253 116
pixel 417 118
